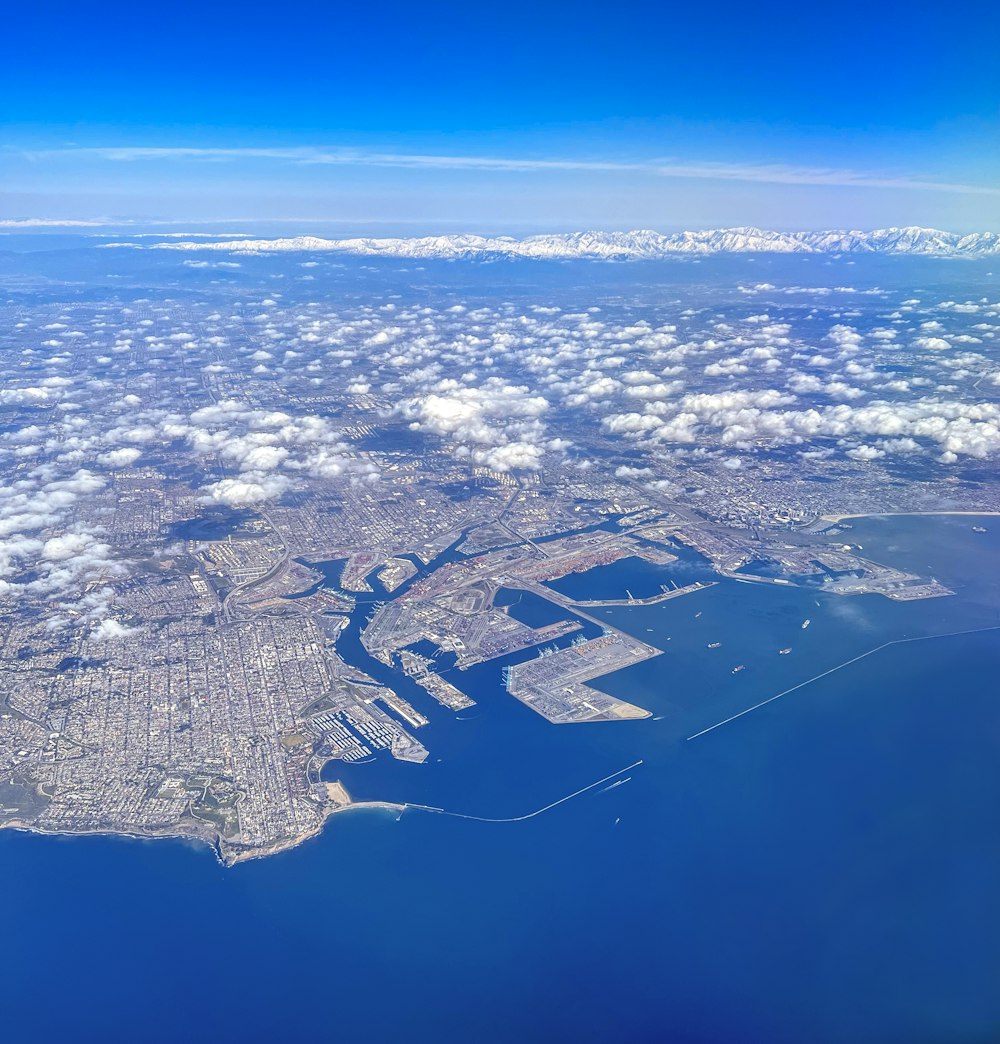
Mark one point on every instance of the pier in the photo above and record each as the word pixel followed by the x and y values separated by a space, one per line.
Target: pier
pixel 528 815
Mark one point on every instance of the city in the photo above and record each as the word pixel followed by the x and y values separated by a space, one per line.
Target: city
pixel 242 531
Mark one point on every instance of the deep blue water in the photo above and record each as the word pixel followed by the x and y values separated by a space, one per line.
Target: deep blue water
pixel 822 869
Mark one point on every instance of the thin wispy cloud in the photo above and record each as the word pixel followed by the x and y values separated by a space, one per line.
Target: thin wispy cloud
pixel 51 223
pixel 773 174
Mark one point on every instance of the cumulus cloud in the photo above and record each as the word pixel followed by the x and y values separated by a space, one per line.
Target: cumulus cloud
pixel 505 386
pixel 932 344
pixel 499 423
pixel 120 458
pixel 112 630
pixel 247 490
pixel 45 556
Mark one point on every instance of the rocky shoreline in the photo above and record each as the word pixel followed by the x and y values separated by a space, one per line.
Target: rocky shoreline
pixel 225 852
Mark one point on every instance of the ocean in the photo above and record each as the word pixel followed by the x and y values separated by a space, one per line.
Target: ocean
pixel 823 868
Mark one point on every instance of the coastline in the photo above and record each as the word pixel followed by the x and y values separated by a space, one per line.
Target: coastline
pixel 230 852
pixel 284 845
pixel 832 519
pixel 224 856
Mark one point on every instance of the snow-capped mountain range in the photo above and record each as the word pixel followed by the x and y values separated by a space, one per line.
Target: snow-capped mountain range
pixel 639 245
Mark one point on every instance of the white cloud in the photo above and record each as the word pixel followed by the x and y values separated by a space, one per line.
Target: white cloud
pixel 351 156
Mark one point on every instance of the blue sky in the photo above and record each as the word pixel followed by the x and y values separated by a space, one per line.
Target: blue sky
pixel 509 116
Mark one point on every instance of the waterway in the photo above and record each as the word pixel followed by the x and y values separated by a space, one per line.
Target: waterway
pixel 821 869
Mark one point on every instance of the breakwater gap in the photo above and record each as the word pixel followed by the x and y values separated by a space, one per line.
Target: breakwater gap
pixel 838 667
pixel 528 815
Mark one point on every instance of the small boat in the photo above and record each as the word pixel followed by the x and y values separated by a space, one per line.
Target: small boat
pixel 696 615
pixel 739 667
pixel 979 529
pixel 784 652
pixel 715 645
pixel 805 624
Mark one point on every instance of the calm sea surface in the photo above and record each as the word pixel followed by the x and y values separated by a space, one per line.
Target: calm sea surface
pixel 824 868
